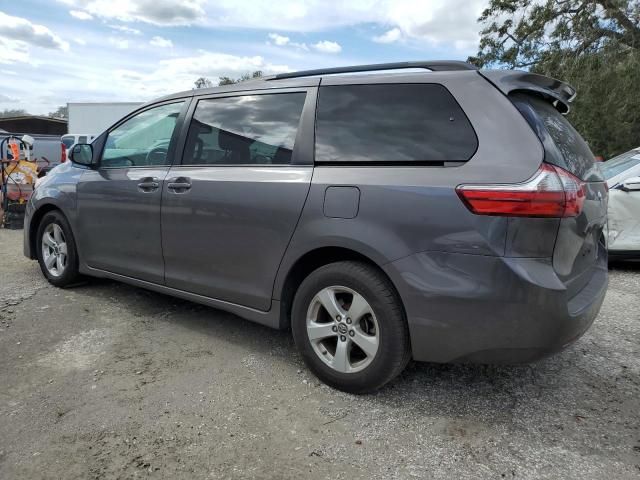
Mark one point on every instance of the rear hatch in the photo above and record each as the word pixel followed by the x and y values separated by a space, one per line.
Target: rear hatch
pixel 579 252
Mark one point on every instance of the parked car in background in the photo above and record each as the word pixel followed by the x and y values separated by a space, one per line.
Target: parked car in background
pixel 71 139
pixel 446 216
pixel 623 228
pixel 48 150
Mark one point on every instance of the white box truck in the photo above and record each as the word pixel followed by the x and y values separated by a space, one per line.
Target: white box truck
pixel 91 119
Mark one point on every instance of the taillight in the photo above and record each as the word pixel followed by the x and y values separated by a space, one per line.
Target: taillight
pixel 63 156
pixel 550 193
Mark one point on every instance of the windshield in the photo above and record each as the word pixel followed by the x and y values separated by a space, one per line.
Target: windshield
pixel 619 164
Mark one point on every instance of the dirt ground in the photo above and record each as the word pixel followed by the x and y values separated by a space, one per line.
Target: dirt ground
pixel 109 381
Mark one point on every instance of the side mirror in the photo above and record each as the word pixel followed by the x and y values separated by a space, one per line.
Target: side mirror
pixel 631 184
pixel 82 154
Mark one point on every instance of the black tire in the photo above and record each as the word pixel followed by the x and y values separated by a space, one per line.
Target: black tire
pixel 394 351
pixel 70 274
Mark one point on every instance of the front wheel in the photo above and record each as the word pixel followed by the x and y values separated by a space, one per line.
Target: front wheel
pixel 349 326
pixel 56 250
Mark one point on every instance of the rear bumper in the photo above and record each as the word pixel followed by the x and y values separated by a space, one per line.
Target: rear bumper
pixel 483 309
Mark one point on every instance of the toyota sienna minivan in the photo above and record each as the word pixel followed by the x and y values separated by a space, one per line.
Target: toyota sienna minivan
pixel 446 215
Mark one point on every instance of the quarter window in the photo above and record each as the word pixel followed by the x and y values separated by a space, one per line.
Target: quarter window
pixel 244 130
pixel 144 139
pixel 391 123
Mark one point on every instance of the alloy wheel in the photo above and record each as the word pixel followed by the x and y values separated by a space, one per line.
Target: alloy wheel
pixel 54 250
pixel 343 329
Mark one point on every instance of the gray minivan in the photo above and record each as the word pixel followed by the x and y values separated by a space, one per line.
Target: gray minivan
pixel 446 215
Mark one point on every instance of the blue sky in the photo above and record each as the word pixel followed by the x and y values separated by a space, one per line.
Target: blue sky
pixel 58 51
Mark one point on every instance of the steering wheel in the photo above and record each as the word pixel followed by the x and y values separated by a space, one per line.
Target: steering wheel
pixel 262 159
pixel 156 152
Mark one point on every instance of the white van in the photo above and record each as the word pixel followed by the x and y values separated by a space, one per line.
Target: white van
pixel 71 139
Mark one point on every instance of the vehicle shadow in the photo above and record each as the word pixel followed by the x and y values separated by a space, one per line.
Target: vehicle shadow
pixel 471 386
pixel 624 265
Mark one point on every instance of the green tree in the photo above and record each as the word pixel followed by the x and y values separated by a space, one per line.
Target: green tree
pixel 13 112
pixel 242 78
pixel 61 112
pixel 203 82
pixel 592 44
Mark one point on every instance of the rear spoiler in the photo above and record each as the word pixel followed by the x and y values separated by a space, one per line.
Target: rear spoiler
pixel 508 81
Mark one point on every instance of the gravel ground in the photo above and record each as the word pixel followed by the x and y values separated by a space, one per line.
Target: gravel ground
pixel 109 381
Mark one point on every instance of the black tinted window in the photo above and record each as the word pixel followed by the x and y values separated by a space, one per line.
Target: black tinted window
pixel 391 123
pixel 251 129
pixel 573 154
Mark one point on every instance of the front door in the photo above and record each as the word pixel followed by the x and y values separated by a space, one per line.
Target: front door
pixel 119 203
pixel 230 209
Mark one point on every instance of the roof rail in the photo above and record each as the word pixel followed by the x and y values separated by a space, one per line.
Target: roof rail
pixel 434 66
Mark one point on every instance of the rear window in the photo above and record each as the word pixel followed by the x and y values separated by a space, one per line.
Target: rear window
pixel 68 141
pixel 564 146
pixel 399 123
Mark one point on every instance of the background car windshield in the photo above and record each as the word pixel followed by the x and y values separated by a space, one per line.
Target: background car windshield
pixel 619 164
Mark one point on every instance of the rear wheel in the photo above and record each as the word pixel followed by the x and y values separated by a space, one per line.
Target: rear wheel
pixel 349 326
pixel 56 250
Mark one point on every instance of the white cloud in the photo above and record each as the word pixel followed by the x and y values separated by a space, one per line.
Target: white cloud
pixel 326 46
pixel 157 12
pixel 144 82
pixel 119 43
pixel 80 15
pixel 215 64
pixel 21 31
pixel 279 40
pixel 390 36
pixel 7 99
pixel 282 41
pixel 80 41
pixel 439 22
pixel 161 42
pixel 13 52
pixel 125 29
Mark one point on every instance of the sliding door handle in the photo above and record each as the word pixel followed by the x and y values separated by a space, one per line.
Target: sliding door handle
pixel 179 185
pixel 149 184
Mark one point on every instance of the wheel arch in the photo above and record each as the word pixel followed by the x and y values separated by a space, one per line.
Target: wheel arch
pixel 36 218
pixel 310 261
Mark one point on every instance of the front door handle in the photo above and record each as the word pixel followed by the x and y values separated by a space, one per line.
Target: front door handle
pixel 149 184
pixel 179 185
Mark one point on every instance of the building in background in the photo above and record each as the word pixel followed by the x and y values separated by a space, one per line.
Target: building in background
pixel 93 118
pixel 34 125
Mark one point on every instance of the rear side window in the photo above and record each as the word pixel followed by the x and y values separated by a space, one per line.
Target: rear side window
pixel 244 130
pixel 68 141
pixel 394 123
pixel 564 146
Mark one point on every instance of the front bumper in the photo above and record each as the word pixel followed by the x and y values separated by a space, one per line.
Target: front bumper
pixel 484 309
pixel 26 240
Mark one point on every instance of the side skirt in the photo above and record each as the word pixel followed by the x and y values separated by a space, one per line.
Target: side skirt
pixel 269 319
